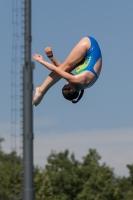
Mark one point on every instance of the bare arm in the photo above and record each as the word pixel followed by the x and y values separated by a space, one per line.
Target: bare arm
pixel 69 77
pixel 49 53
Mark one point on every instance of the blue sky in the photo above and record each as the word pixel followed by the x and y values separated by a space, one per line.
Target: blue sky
pixel 103 118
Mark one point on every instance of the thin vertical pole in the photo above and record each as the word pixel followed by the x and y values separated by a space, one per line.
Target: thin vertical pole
pixel 28 190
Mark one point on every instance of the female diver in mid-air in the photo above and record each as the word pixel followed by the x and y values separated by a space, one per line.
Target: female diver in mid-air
pixel 85 57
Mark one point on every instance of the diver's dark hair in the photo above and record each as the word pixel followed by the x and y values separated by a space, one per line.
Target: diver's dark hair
pixel 71 95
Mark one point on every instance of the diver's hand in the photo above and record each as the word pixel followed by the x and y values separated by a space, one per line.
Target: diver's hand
pixel 49 51
pixel 38 57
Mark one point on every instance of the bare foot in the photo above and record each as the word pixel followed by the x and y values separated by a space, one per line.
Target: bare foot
pixel 37 97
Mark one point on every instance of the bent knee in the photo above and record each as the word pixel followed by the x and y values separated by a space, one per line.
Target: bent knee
pixel 86 43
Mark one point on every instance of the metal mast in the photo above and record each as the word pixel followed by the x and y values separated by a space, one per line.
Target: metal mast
pixel 28 190
pixel 17 64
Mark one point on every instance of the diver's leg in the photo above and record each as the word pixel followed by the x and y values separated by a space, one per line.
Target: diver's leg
pixel 76 55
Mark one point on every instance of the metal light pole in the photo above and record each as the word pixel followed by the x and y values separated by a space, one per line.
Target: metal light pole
pixel 28 190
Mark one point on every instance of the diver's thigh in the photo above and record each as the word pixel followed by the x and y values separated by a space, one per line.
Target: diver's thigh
pixel 78 52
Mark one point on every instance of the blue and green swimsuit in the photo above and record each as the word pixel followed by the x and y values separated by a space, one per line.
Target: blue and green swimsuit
pixel 91 57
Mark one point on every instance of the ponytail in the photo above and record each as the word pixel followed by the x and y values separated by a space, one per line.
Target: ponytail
pixel 79 97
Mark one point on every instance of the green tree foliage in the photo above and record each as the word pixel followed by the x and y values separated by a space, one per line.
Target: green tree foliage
pixel 62 173
pixel 42 185
pixel 10 177
pixel 126 184
pixel 45 192
pixel 65 178
pixel 87 180
pixel 99 181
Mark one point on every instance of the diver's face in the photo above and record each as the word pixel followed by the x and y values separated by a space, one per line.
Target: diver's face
pixel 71 86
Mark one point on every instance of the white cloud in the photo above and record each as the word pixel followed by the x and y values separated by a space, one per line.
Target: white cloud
pixel 44 122
pixel 5 127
